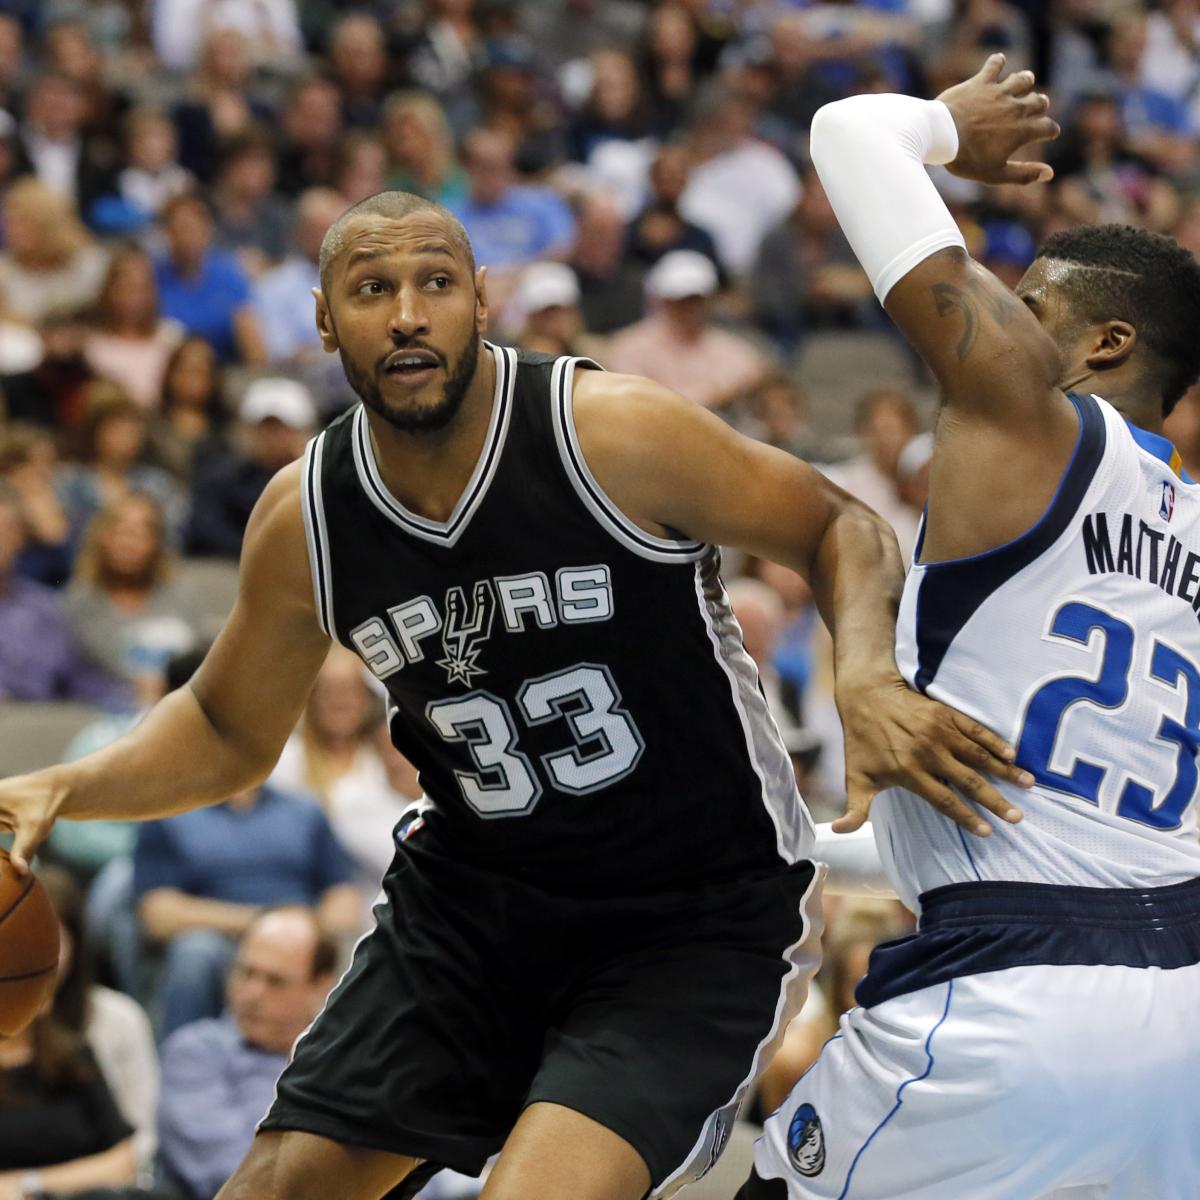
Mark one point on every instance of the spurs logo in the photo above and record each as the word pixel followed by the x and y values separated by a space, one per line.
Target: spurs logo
pixel 463 635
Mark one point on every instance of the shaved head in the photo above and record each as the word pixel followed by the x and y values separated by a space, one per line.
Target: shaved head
pixel 393 206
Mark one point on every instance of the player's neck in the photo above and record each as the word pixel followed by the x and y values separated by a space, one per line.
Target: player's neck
pixel 428 472
pixel 1139 405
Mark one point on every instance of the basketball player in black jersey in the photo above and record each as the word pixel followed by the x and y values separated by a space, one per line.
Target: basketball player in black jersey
pixel 603 914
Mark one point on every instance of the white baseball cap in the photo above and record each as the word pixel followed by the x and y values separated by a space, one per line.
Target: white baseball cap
pixel 546 285
pixel 682 273
pixel 284 399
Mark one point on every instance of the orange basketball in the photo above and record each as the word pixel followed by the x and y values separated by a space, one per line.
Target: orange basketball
pixel 29 941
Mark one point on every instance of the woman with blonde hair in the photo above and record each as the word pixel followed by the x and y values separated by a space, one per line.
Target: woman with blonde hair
pixel 337 756
pixel 421 148
pixel 50 260
pixel 128 615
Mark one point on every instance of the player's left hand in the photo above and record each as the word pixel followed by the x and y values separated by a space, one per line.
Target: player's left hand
pixel 896 737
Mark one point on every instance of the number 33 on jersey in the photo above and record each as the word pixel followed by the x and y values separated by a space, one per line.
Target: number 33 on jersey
pixel 553 671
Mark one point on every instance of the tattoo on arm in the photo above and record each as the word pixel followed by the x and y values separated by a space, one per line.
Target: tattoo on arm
pixel 968 302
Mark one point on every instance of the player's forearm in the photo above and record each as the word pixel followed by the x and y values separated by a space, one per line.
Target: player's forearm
pixel 870 153
pixel 175 760
pixel 857 578
pixel 165 912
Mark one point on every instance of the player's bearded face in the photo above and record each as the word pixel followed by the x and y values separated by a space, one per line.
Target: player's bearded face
pixel 425 411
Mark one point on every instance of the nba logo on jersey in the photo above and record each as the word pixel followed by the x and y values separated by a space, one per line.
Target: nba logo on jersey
pixel 1166 506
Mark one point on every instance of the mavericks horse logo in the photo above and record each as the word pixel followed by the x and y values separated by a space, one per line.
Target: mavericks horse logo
pixel 806 1141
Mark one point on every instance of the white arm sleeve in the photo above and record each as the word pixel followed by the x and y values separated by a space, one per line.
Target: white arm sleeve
pixel 855 868
pixel 869 152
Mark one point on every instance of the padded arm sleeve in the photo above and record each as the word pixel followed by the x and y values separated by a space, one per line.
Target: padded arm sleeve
pixel 869 152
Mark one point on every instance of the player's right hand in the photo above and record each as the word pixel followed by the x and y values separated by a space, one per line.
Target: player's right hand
pixel 28 807
pixel 994 119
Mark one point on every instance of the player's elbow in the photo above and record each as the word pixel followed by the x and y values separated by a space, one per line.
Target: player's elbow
pixel 835 129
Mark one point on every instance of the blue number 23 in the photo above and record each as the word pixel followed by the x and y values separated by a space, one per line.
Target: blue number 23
pixel 1076 622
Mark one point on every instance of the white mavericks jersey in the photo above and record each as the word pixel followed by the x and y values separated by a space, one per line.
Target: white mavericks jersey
pixel 1079 642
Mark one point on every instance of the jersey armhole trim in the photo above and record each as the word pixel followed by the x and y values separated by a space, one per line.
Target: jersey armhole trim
pixel 595 499
pixel 316 534
pixel 951 591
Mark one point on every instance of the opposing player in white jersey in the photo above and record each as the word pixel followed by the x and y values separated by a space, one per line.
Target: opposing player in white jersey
pixel 1040 1034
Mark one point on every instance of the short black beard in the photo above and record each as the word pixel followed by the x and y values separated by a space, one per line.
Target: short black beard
pixel 418 420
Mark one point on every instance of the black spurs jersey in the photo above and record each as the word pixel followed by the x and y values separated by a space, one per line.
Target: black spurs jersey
pixel 573 690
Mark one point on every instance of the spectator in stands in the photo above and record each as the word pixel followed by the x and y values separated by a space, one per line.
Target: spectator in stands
pixel 219 105
pixel 49 260
pixel 1100 179
pixel 912 471
pixel 203 287
pixel 283 296
pixel 192 417
pixel 615 108
pixel 69 49
pixel 670 64
pixel 29 466
pixel 448 51
pixel 39 658
pixel 53 392
pixel 678 346
pixel 113 452
pixel 277 416
pixel 760 613
pixel 126 613
pixel 219 1073
pixel 60 1128
pixel 610 284
pixel 334 756
pixel 200 879
pixel 546 312
pixel 660 227
pixel 1171 61
pixel 513 103
pixel 357 54
pixel 52 143
pixel 421 149
pixel 806 276
pixel 362 166
pixel 129 342
pixel 885 421
pixel 12 62
pixel 312 131
pixel 510 224
pixel 779 416
pixel 153 174
pixel 271 29
pixel 252 218
pixel 724 156
pixel 1157 124
pixel 114 1026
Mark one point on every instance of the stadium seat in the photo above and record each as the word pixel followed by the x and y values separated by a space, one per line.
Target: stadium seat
pixel 211 585
pixel 836 368
pixel 35 735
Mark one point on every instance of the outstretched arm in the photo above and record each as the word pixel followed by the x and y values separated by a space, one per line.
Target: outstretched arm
pixel 670 465
pixel 223 732
pixel 997 367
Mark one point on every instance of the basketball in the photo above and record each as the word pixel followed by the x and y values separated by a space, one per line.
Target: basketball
pixel 29 943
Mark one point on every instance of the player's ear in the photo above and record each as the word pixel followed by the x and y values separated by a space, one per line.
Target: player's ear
pixel 481 301
pixel 1112 345
pixel 329 342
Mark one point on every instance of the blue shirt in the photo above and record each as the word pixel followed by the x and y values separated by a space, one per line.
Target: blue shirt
pixel 215 1089
pixel 205 303
pixel 280 850
pixel 283 303
pixel 526 223
pixel 1144 109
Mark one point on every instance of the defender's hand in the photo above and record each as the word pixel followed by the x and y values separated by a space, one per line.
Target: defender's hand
pixel 896 737
pixel 994 119
pixel 28 807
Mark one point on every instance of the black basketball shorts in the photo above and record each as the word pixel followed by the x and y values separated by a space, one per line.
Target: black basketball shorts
pixel 476 995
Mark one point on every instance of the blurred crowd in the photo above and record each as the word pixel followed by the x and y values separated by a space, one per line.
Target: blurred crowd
pixel 634 175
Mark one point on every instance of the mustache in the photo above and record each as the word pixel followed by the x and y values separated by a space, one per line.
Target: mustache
pixel 409 345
